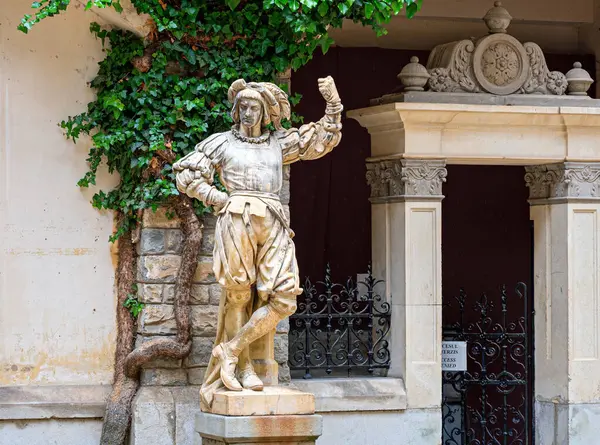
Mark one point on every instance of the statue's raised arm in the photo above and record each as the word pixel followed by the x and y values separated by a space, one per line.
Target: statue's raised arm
pixel 316 139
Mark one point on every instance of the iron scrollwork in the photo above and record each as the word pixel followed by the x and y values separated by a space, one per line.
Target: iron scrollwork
pixel 489 404
pixel 340 327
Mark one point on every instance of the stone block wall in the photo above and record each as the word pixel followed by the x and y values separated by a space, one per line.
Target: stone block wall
pixel 159 250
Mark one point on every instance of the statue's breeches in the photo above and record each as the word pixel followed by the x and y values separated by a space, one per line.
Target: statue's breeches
pixel 257 249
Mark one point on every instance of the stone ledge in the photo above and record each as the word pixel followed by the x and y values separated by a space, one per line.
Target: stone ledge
pixel 53 402
pixel 355 394
pixel 536 100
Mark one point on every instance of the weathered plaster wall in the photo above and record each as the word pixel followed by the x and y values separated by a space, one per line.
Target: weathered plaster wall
pixel 56 269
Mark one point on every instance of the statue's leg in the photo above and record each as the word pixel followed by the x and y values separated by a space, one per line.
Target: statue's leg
pixel 277 282
pixel 263 321
pixel 235 270
pixel 236 316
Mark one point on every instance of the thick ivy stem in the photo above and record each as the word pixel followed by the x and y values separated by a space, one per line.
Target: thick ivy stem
pixel 117 416
pixel 181 346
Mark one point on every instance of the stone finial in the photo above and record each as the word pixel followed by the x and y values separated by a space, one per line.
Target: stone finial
pixel 414 76
pixel 579 80
pixel 497 19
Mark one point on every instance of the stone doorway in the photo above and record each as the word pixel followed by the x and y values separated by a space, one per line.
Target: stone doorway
pixel 487 252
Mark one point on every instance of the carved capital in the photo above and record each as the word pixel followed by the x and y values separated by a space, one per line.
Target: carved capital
pixel 571 180
pixel 535 180
pixel 401 178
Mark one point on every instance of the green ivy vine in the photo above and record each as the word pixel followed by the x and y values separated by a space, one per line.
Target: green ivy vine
pixel 169 91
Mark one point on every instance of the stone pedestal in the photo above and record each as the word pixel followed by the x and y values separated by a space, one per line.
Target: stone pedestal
pixel 260 430
pixel 565 200
pixel 277 415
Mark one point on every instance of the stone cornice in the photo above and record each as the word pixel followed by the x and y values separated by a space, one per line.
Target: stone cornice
pixel 483 134
pixel 570 180
pixel 393 179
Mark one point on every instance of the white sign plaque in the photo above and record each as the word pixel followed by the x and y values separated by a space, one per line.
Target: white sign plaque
pixel 454 356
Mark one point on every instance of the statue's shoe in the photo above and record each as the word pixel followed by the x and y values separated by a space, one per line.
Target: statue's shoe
pixel 249 379
pixel 228 363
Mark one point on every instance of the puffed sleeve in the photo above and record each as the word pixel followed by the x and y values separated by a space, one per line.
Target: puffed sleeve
pixel 310 141
pixel 195 171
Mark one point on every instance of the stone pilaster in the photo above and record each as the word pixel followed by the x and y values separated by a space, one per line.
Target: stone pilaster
pixel 565 208
pixel 406 196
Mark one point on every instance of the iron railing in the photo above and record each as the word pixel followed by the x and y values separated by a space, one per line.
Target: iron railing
pixel 340 328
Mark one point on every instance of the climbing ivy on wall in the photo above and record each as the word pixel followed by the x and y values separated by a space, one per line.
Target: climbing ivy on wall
pixel 159 96
pixel 170 90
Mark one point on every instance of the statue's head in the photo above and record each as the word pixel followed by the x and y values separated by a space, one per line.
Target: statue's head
pixel 258 103
pixel 249 109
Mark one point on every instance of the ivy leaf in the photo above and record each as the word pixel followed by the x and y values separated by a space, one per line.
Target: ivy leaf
pixel 280 46
pixel 232 3
pixel 322 9
pixel 326 42
pixel 369 8
pixel 411 10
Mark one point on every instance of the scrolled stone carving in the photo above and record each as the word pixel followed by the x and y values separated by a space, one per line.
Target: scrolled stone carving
pixel 497 64
pixel 541 80
pixel 406 177
pixel 424 178
pixel 458 74
pixel 568 180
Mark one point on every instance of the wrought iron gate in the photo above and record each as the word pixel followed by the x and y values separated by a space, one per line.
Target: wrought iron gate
pixel 491 402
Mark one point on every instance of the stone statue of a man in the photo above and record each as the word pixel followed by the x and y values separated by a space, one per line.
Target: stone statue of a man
pixel 253 240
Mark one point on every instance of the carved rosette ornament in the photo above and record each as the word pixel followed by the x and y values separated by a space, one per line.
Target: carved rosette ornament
pixel 571 180
pixel 404 178
pixel 497 64
pixel 500 64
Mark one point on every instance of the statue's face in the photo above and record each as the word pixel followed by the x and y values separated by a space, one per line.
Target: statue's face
pixel 250 111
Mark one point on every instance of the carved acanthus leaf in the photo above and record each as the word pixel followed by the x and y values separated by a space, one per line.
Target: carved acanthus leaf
pixel 399 178
pixel 568 180
pixel 458 75
pixel 423 178
pixel 541 80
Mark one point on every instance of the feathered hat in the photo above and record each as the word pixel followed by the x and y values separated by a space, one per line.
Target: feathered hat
pixel 274 100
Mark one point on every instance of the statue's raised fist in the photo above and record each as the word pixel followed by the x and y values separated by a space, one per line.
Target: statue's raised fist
pixel 329 90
